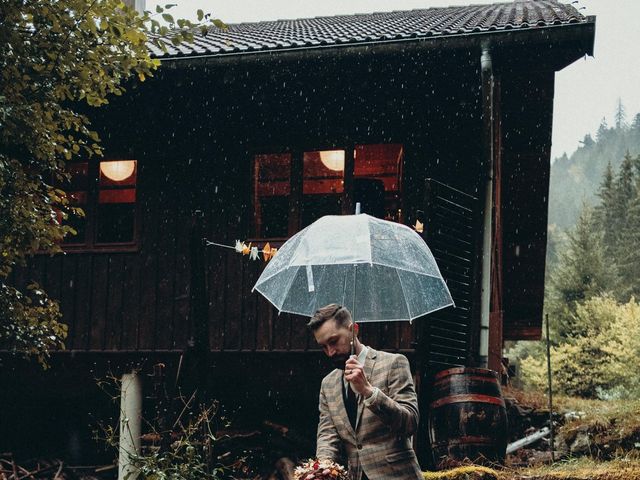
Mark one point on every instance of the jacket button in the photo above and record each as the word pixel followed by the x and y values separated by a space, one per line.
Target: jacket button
pixel 359 446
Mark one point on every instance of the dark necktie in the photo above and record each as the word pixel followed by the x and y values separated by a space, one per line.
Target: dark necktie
pixel 350 403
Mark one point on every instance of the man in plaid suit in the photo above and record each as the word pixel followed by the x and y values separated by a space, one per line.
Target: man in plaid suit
pixel 368 404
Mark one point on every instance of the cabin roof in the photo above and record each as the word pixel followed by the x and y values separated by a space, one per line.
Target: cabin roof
pixel 368 28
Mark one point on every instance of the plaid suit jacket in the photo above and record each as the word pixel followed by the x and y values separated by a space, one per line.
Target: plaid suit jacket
pixel 380 445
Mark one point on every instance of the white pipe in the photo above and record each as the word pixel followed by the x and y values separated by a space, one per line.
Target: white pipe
pixel 130 424
pixel 523 442
pixel 485 295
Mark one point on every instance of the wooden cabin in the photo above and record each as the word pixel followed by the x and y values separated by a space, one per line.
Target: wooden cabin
pixel 441 115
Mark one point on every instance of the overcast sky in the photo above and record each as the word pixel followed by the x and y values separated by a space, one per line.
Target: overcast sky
pixel 586 91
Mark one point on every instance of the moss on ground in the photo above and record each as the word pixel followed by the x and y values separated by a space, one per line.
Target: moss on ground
pixel 470 472
pixel 576 469
pixel 582 469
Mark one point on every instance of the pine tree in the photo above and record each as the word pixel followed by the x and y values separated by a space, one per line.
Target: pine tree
pixel 620 115
pixel 583 271
pixel 587 141
pixel 628 255
pixel 604 210
pixel 603 130
pixel 623 192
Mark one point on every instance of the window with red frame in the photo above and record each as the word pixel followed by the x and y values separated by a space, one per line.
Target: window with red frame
pixel 292 190
pixel 107 194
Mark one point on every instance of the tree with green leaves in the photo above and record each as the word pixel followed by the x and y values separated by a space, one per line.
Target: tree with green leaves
pixel 55 56
pixel 583 271
pixel 603 361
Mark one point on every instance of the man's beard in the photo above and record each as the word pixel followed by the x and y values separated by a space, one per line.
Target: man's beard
pixel 339 360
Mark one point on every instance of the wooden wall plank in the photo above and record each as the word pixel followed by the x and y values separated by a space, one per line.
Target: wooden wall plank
pixel 114 314
pixel 281 331
pixel 264 320
pixel 299 333
pixel 216 284
pixel 130 301
pixel 148 277
pixel 83 305
pixel 388 339
pixel 99 296
pixel 53 279
pixel 69 282
pixel 182 272
pixel 252 270
pixel 407 334
pixel 166 264
pixel 231 327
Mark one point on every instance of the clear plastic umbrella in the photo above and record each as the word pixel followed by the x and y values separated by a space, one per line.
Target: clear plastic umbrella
pixel 380 270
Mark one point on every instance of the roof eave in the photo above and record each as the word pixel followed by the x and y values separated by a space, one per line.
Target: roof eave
pixel 580 35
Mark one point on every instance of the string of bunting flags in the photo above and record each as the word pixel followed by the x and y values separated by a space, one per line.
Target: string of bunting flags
pixel 267 251
pixel 253 251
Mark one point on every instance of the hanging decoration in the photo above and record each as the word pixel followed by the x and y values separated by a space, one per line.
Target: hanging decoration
pixel 419 226
pixel 253 251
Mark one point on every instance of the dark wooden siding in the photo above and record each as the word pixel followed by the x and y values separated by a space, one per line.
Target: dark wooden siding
pixel 195 151
pixel 526 124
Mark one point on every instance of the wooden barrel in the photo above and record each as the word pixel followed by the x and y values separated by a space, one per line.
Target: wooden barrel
pixel 467 418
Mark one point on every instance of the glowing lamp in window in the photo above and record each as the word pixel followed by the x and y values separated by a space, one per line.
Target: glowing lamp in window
pixel 333 159
pixel 118 170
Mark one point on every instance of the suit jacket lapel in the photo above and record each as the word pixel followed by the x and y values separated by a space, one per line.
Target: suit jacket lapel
pixel 369 362
pixel 342 409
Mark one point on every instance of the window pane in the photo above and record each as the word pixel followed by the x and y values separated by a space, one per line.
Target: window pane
pixel 125 195
pixel 322 184
pixel 323 172
pixel 118 172
pixel 115 223
pixel 77 194
pixel 79 224
pixel 115 213
pixel 272 188
pixel 377 179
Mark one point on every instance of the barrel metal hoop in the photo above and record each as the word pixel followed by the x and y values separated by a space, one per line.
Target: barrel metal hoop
pixel 466 371
pixel 476 398
pixel 466 440
pixel 447 380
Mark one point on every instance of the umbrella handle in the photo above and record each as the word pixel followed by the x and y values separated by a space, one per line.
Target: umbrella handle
pixel 353 337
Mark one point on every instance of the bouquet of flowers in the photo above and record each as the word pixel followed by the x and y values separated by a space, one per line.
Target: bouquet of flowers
pixel 320 470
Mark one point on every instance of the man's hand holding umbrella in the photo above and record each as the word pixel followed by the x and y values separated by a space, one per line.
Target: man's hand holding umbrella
pixel 354 374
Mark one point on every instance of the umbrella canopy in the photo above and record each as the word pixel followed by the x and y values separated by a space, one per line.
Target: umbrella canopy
pixel 380 270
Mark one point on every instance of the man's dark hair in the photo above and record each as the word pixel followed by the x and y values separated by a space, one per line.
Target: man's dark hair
pixel 333 311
